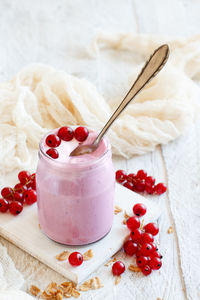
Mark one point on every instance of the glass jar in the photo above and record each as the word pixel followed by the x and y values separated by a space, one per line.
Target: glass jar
pixel 75 200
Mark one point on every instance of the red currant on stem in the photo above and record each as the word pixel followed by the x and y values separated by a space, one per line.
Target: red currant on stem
pixel 66 133
pixel 24 177
pixel 118 268
pixel 33 181
pixel 4 205
pixel 52 153
pixel 160 188
pixel 81 133
pixel 149 181
pixel 131 177
pixel 133 223
pixel 146 238
pixel 156 254
pixel 18 197
pixel 140 186
pixel 20 188
pixel 142 261
pixel 151 228
pixel 130 247
pixel 75 259
pixel 52 140
pixel 136 235
pixel 139 209
pixel 146 270
pixel 154 246
pixel 128 185
pixel 7 193
pixel 155 263
pixel 146 249
pixel 149 189
pixel 141 174
pixel 15 208
pixel 120 176
pixel 30 197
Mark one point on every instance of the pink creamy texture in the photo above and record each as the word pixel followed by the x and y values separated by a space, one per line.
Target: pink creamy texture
pixel 76 195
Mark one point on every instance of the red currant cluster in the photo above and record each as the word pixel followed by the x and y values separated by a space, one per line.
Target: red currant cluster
pixel 141 243
pixel 66 134
pixel 140 182
pixel 23 192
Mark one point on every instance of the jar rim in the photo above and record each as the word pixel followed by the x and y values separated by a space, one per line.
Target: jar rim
pixel 77 165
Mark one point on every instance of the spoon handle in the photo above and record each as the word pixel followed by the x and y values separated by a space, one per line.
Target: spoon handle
pixel 150 69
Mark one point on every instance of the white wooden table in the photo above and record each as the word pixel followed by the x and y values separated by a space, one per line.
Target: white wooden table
pixel 50 32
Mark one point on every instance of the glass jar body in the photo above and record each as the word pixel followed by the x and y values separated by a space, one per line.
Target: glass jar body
pixel 75 203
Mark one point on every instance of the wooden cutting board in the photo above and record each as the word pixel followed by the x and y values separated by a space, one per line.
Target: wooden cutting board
pixel 24 231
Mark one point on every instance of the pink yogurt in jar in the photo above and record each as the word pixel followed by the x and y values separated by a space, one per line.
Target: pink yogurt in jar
pixel 75 194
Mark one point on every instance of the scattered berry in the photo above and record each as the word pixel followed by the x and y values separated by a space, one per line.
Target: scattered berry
pixel 142 261
pixel 120 176
pixel 30 197
pixel 15 208
pixel 133 223
pixel 52 140
pixel 130 247
pixel 146 270
pixel 4 205
pixel 24 177
pixel 139 209
pixel 81 133
pixel 7 193
pixel 155 263
pixel 75 259
pixel 141 174
pixel 151 228
pixel 66 133
pixel 160 188
pixel 52 153
pixel 146 238
pixel 118 268
pixel 136 235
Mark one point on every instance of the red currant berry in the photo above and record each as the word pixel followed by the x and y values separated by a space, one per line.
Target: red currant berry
pixel 146 270
pixel 75 259
pixel 136 235
pixel 30 197
pixel 81 133
pixel 24 177
pixel 130 247
pixel 149 189
pixel 141 174
pixel 151 228
pixel 149 181
pixel 120 176
pixel 52 140
pixel 146 249
pixel 66 133
pixel 133 223
pixel 18 197
pixel 118 268
pixel 128 185
pixel 52 153
pixel 20 188
pixel 131 177
pixel 139 209
pixel 146 238
pixel 15 208
pixel 154 246
pixel 155 263
pixel 33 182
pixel 4 205
pixel 7 193
pixel 139 253
pixel 160 188
pixel 142 261
pixel 156 254
pixel 140 186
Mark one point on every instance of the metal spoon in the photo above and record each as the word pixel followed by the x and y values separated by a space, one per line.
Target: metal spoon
pixel 150 69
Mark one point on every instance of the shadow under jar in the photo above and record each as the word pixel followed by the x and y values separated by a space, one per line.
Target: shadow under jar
pixel 76 197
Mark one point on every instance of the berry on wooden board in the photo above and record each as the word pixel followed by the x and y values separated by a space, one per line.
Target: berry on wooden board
pixel 4 205
pixel 118 268
pixel 15 208
pixel 139 209
pixel 130 247
pixel 7 193
pixel 75 259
